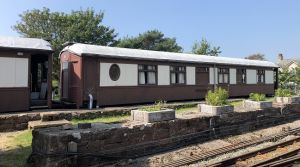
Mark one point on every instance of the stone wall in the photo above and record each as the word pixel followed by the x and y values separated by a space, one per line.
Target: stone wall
pixel 12 122
pixel 102 144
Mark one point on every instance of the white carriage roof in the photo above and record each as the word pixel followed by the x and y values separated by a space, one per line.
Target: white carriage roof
pixel 115 52
pixel 24 43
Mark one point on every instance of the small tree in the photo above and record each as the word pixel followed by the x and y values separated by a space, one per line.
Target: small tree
pixel 257 56
pixel 217 97
pixel 205 48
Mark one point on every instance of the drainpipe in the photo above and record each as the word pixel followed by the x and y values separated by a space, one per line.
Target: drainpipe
pixel 91 101
pixel 215 84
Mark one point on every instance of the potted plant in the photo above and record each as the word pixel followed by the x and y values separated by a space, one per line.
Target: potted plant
pixel 286 96
pixel 257 101
pixel 216 102
pixel 153 113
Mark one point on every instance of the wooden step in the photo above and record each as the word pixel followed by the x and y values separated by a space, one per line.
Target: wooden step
pixel 46 124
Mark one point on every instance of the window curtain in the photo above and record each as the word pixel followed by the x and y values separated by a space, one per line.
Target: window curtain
pixel 225 78
pixel 221 78
pixel 151 77
pixel 173 78
pixel 141 77
pixel 181 78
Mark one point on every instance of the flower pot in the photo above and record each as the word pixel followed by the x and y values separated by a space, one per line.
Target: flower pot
pixel 257 104
pixel 288 100
pixel 153 116
pixel 215 110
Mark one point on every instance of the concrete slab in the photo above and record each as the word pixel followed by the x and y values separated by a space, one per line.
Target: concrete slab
pixel 46 124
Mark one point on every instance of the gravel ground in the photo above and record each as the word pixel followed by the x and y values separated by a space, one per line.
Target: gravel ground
pixel 151 161
pixel 237 153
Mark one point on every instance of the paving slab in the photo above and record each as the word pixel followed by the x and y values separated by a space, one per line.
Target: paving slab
pixel 46 124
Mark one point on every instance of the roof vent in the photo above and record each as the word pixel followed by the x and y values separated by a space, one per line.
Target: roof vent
pixel 68 43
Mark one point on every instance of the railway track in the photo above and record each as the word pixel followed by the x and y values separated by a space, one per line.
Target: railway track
pixel 231 148
pixel 265 162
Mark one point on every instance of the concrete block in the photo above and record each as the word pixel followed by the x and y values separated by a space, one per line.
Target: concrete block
pixel 155 116
pixel 257 105
pixel 288 100
pixel 215 110
pixel 84 125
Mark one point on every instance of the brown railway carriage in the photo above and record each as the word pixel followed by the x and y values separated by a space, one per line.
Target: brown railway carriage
pixel 25 72
pixel 115 76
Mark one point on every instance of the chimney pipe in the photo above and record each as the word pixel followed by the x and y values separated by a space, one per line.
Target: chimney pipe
pixel 280 57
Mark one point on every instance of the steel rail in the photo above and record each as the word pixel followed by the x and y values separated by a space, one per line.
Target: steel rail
pixel 226 149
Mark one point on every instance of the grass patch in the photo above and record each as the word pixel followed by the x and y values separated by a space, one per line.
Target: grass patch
pixel 236 103
pixel 106 119
pixel 19 149
pixel 186 109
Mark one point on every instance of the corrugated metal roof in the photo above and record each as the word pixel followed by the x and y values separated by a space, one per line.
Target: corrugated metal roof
pixel 105 51
pixel 25 43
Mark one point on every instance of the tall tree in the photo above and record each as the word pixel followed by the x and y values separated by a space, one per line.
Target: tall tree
pixel 83 26
pixel 205 48
pixel 286 76
pixel 151 40
pixel 256 56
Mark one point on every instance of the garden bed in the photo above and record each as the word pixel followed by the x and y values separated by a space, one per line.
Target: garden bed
pixel 152 116
pixel 215 110
pixel 250 104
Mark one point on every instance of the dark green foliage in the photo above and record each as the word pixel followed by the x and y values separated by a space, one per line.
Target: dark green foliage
pixel 257 97
pixel 205 48
pixel 151 40
pixel 257 56
pixel 284 92
pixel 218 97
pixel 159 105
pixel 84 26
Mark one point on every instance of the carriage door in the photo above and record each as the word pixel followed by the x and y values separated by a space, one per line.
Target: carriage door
pixel 65 79
pixel 202 76
pixel 202 80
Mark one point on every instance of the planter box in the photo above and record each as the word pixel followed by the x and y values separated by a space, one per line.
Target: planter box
pixel 257 104
pixel 215 110
pixel 288 100
pixel 154 116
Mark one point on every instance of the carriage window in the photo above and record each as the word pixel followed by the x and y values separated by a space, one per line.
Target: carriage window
pixel 177 74
pixel 241 76
pixel 260 76
pixel 223 74
pixel 147 74
pixel 114 72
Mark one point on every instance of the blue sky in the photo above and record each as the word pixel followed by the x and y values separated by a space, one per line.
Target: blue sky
pixel 239 27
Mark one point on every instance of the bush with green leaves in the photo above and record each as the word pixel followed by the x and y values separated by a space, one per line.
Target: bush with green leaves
pixel 257 97
pixel 217 97
pixel 280 92
pixel 159 105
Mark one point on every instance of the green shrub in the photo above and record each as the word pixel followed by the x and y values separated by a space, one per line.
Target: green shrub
pixel 159 105
pixel 257 97
pixel 280 92
pixel 218 97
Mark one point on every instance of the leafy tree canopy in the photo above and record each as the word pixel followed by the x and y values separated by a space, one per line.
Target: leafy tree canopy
pixel 286 76
pixel 205 48
pixel 257 56
pixel 84 26
pixel 151 40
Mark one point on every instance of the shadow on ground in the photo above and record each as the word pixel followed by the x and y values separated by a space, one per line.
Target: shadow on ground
pixel 16 157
